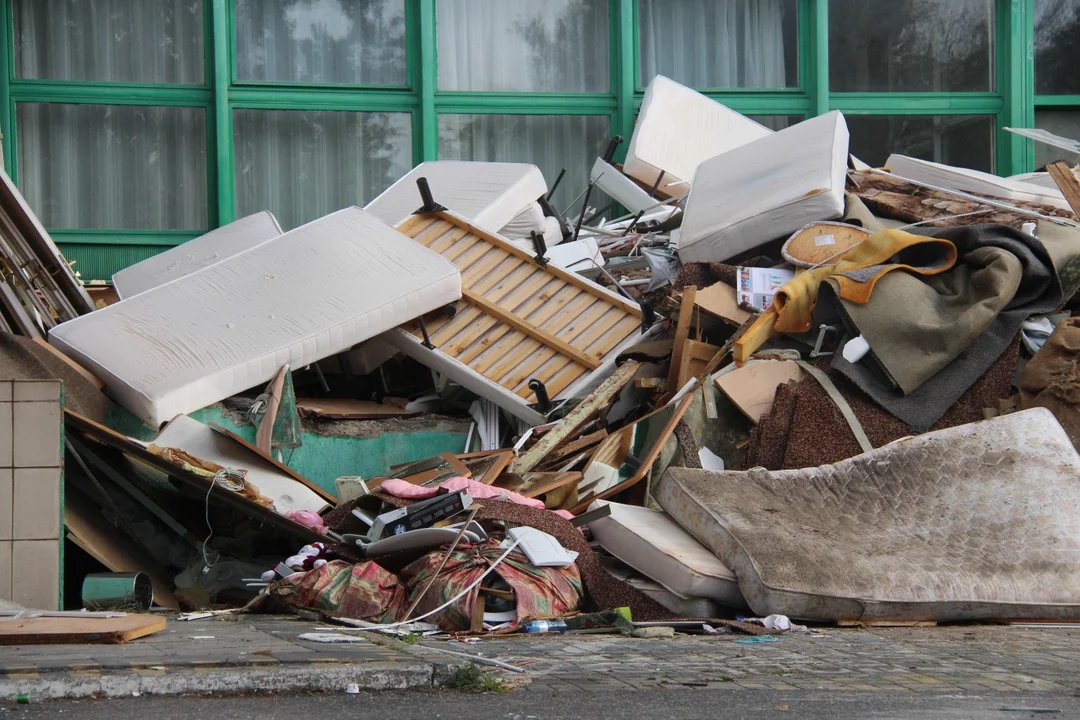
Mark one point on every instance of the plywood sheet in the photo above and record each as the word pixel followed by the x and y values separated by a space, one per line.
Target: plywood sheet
pixel 76 630
pixel 753 387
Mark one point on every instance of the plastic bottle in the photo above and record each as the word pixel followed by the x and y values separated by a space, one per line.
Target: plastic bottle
pixel 543 626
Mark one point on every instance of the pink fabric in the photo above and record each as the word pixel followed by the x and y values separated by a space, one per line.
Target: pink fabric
pixel 402 489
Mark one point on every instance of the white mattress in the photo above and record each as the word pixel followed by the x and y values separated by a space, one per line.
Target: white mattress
pixel 308 294
pixel 194 438
pixel 974 181
pixel 531 218
pixel 489 194
pixel 678 129
pixel 608 178
pixel 195 254
pixel 656 546
pixel 766 190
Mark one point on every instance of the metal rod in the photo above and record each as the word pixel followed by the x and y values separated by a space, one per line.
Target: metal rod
pixel 656 185
pixel 555 185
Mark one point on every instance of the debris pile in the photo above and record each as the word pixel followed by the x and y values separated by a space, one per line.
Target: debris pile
pixel 784 384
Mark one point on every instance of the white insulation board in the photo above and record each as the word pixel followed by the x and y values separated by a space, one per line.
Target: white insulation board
pixel 489 194
pixel 205 443
pixel 678 129
pixel 766 190
pixel 308 294
pixel 975 181
pixel 656 546
pixel 195 254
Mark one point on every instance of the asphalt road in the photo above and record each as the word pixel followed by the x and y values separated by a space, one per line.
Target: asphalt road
pixel 524 704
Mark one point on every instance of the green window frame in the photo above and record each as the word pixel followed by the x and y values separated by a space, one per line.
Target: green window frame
pixel 99 253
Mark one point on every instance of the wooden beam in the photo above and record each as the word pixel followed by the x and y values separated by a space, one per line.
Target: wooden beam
pixel 577 417
pixel 682 333
pixel 531 330
pixel 1067 183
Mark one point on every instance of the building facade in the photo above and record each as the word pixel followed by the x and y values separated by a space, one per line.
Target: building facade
pixel 134 125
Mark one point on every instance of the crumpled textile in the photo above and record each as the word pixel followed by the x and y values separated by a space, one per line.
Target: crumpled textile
pixel 364 591
pixel 857 271
pixel 539 592
pixel 1051 379
pixel 402 489
pixel 932 337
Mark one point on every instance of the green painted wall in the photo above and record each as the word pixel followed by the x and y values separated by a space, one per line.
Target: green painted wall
pixel 322 459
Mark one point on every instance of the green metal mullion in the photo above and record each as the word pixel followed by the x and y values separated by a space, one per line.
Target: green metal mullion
pixel 107 93
pixel 7 73
pixel 428 77
pixel 123 237
pixel 322 100
pixel 624 69
pixel 512 103
pixel 817 87
pixel 1016 68
pixel 1050 101
pixel 755 104
pixel 223 145
pixel 917 103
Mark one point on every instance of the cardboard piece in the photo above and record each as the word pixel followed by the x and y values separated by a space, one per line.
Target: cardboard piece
pixel 753 386
pixel 226 241
pixel 677 130
pixel 489 194
pixel 76 630
pixel 722 301
pixel 301 297
pixel 766 189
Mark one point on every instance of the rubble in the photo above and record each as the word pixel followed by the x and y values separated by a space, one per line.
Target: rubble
pixel 778 382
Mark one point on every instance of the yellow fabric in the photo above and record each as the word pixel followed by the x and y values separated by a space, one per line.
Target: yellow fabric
pixel 795 301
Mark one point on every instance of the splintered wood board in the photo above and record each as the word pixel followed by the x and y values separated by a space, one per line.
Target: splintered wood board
pixel 75 630
pixel 517 320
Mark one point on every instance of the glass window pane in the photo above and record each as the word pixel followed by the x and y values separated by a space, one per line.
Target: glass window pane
pixel 1057 25
pixel 113 167
pixel 777 122
pixel 524 45
pixel 961 140
pixel 719 43
pixel 911 45
pixel 346 42
pixel 135 41
pixel 303 164
pixel 1060 122
pixel 551 142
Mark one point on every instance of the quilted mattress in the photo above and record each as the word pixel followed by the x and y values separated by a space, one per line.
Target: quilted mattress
pixel 303 296
pixel 490 194
pixel 972 522
pixel 195 254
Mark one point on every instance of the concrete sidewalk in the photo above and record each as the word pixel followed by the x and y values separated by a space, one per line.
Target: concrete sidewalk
pixel 235 654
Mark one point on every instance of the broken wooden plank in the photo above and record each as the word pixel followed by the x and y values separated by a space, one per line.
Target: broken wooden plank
pixel 597 399
pixel 1067 184
pixel 347 409
pixel 77 630
pixel 90 377
pixel 682 333
pixel 695 357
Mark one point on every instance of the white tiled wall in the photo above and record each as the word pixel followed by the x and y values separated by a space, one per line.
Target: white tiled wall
pixel 31 472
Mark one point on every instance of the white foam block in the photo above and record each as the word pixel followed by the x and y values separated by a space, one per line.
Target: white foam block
pixel 766 189
pixel 974 181
pixel 530 219
pixel 303 296
pixel 488 194
pixel 195 254
pixel 202 441
pixel 678 129
pixel 653 544
pixel 608 178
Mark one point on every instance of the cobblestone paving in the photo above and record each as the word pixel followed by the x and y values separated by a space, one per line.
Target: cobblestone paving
pixel 959 659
